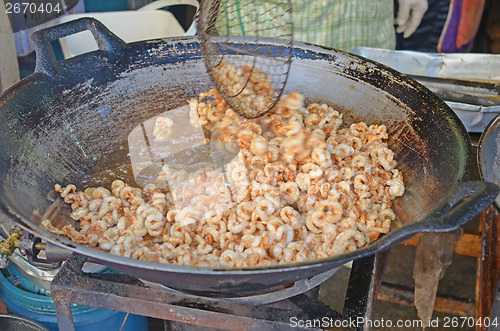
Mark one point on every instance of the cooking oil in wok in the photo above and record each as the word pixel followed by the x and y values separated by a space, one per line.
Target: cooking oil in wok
pixel 120 166
pixel 115 166
pixel 170 138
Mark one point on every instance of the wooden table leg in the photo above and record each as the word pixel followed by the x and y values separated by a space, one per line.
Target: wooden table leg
pixel 488 264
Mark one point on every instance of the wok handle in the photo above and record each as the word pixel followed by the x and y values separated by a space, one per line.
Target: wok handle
pixel 465 202
pixel 45 58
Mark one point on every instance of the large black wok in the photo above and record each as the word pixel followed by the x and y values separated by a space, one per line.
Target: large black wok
pixel 488 154
pixel 56 124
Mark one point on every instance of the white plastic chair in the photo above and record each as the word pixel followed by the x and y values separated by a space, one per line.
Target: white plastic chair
pixel 146 23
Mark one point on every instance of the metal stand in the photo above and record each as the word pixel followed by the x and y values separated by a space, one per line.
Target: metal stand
pixel 121 292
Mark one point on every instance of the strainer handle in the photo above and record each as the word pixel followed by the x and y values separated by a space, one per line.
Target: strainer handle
pixel 45 58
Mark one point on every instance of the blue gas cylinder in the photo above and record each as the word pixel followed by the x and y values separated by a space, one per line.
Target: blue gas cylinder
pixel 23 298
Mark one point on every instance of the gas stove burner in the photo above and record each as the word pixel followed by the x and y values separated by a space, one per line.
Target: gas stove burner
pixel 272 295
pixel 273 309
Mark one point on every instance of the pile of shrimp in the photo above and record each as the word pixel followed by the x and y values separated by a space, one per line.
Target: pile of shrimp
pixel 249 88
pixel 300 188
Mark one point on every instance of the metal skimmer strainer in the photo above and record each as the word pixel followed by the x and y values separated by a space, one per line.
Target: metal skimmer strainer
pixel 250 78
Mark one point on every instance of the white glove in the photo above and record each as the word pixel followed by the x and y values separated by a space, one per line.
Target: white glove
pixel 410 13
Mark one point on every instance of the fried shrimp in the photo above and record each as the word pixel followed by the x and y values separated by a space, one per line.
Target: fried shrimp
pixel 301 188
